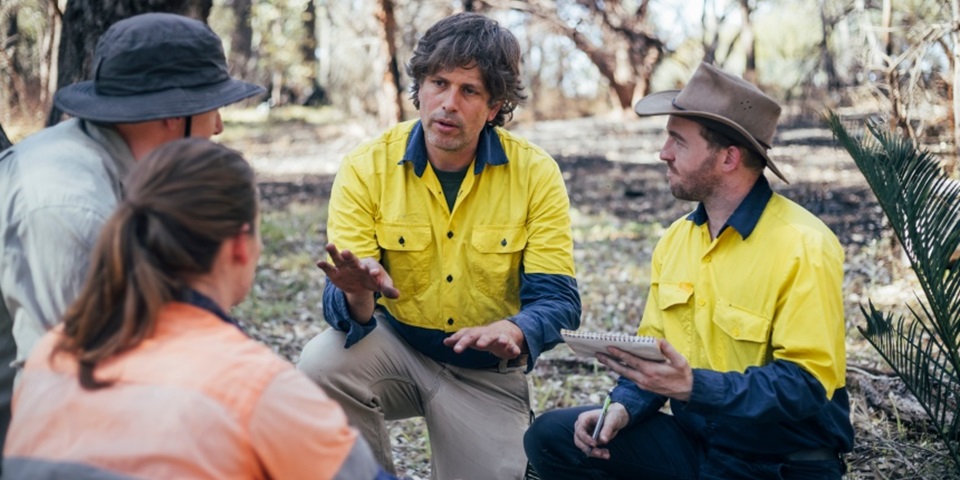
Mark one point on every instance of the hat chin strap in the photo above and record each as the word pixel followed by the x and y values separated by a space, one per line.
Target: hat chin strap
pixel 187 125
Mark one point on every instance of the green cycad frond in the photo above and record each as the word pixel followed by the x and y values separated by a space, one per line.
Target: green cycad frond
pixel 923 206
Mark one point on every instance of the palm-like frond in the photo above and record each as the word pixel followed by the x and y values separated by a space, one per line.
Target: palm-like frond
pixel 923 206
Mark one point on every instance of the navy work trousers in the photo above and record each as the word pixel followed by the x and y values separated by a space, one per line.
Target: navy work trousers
pixel 655 448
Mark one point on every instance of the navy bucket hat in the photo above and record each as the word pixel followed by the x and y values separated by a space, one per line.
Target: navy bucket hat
pixel 153 66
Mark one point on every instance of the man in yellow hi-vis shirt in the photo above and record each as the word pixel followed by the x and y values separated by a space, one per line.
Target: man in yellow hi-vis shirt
pixel 451 262
pixel 745 297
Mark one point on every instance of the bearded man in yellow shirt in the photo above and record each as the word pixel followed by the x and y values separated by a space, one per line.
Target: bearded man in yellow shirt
pixel 745 297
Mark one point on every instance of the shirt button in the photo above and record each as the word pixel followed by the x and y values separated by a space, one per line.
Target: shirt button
pixel 503 243
pixel 449 234
pixel 449 321
pixel 701 302
pixel 736 332
pixel 706 259
pixel 402 241
pixel 449 278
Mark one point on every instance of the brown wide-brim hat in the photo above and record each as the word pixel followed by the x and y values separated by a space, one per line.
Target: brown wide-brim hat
pixel 716 95
pixel 154 66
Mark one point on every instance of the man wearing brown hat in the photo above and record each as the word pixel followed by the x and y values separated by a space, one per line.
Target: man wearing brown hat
pixel 156 77
pixel 745 301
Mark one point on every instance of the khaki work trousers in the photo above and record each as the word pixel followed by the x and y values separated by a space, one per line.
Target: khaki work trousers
pixel 476 418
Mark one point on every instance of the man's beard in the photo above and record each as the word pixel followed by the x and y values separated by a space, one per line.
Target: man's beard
pixel 698 184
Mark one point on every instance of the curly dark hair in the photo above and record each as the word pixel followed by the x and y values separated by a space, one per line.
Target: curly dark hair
pixel 469 40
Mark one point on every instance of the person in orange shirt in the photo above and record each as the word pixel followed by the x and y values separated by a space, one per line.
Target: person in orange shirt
pixel 148 376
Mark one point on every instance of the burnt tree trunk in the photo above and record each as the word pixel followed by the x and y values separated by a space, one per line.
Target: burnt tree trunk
pixel 85 20
pixel 308 50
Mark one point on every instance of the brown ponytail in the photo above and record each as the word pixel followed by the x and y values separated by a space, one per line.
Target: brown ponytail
pixel 182 201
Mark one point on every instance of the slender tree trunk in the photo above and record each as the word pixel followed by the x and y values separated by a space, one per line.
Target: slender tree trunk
pixel 897 115
pixel 317 94
pixel 749 43
pixel 886 19
pixel 48 66
pixel 391 102
pixel 85 20
pixel 711 33
pixel 826 56
pixel 241 40
pixel 952 166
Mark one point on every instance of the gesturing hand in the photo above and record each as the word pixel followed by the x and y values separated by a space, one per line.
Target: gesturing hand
pixel 502 338
pixel 357 275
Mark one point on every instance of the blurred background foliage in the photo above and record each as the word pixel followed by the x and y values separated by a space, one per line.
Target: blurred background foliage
pixel 896 59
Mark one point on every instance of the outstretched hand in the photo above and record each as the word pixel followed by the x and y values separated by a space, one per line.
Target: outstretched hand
pixel 672 378
pixel 354 275
pixel 503 338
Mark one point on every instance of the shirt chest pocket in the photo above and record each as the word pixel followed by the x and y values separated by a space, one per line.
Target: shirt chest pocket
pixel 745 336
pixel 406 255
pixel 495 258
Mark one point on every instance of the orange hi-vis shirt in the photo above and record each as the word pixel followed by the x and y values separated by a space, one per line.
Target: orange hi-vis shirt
pixel 197 400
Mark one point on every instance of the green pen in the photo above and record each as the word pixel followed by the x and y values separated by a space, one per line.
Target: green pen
pixel 603 416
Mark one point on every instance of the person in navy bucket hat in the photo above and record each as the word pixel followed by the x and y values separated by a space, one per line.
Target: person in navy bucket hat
pixel 155 78
pixel 151 67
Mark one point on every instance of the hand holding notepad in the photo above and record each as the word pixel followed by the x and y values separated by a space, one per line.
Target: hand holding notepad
pixel 589 344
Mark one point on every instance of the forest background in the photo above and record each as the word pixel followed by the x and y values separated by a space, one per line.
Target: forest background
pixel 334 70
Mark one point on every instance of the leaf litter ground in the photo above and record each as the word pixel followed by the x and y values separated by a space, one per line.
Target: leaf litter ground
pixel 620 205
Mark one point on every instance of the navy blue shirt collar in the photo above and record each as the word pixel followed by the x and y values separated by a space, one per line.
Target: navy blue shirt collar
pixel 747 214
pixel 199 300
pixel 489 150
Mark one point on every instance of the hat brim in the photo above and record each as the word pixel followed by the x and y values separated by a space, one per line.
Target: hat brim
pixel 661 103
pixel 82 100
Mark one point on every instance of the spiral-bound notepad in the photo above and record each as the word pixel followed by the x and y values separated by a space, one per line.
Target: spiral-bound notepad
pixel 589 344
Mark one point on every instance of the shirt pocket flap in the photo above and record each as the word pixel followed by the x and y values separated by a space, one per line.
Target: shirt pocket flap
pixel 404 238
pixel 741 324
pixel 671 294
pixel 499 238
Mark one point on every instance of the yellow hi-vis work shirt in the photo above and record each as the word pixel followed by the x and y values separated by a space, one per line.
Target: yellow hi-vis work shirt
pixel 458 268
pixel 731 303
